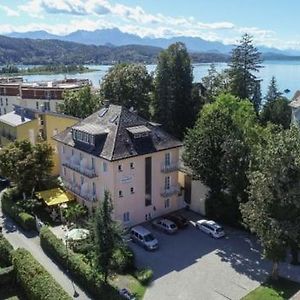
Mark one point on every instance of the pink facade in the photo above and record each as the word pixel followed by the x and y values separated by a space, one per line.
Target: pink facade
pixel 88 177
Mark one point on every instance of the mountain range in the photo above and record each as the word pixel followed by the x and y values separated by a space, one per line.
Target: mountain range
pixel 115 37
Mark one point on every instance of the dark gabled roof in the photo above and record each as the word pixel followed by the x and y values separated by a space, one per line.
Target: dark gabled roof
pixel 116 141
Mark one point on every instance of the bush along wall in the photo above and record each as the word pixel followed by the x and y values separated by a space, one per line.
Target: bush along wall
pixel 82 273
pixel 36 282
pixel 9 207
pixel 5 252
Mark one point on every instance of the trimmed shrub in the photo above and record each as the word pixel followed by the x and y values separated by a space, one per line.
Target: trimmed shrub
pixel 5 252
pixel 123 260
pixel 10 207
pixel 26 221
pixel 144 276
pixel 81 272
pixel 36 282
pixel 7 276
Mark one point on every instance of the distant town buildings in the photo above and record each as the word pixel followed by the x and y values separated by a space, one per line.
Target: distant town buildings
pixel 35 126
pixel 45 96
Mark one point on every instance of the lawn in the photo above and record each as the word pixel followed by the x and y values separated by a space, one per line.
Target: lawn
pixel 274 290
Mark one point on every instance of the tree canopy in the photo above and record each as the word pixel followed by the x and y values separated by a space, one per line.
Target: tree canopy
pixel 81 103
pixel 28 166
pixel 173 103
pixel 245 62
pixel 128 85
pixel 273 209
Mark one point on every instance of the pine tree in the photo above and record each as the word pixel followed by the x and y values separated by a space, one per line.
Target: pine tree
pixel 273 92
pixel 107 236
pixel 245 60
pixel 173 104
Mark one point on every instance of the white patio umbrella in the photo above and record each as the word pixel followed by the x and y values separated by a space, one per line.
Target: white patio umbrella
pixel 77 234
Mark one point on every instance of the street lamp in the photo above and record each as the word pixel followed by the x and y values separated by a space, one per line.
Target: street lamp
pixel 75 295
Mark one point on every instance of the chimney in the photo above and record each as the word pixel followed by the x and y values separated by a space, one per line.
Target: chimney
pixel 106 103
pixel 22 115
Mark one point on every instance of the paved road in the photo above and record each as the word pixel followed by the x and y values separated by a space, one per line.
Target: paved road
pixel 31 242
pixel 192 265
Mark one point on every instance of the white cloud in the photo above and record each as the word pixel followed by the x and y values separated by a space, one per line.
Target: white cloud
pixel 10 12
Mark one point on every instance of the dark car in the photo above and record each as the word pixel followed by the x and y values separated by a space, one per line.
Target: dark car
pixel 4 183
pixel 179 220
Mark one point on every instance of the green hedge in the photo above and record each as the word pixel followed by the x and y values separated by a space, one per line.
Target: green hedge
pixel 36 282
pixel 9 207
pixel 80 271
pixel 144 276
pixel 5 252
pixel 7 276
pixel 27 221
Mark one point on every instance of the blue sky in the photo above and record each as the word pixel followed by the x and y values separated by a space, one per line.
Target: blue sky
pixel 271 22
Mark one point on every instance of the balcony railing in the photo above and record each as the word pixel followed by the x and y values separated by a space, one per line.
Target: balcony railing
pixel 91 173
pixel 76 190
pixel 172 190
pixel 169 168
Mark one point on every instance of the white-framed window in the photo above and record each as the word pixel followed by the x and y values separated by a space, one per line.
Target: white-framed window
pixel 82 180
pixel 132 165
pixel 37 104
pixel 1 102
pixel 167 182
pixel 93 163
pixel 4 110
pixel 6 101
pixel 120 194
pixel 64 171
pixel 104 166
pixel 94 188
pixel 167 203
pixel 132 190
pixel 120 168
pixel 126 217
pixel 168 159
pixel 73 177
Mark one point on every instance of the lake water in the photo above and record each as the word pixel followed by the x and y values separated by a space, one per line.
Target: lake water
pixel 287 74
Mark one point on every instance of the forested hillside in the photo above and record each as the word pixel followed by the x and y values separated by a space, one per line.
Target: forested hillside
pixel 30 51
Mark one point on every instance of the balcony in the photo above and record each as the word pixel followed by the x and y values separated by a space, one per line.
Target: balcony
pixel 169 168
pixel 76 190
pixel 172 190
pixel 90 173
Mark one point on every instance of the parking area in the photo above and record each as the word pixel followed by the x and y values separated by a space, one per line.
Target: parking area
pixel 192 265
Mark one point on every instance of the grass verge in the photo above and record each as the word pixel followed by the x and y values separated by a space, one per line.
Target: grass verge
pixel 274 290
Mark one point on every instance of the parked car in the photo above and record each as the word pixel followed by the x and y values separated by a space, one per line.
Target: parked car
pixel 124 293
pixel 211 228
pixel 4 183
pixel 179 220
pixel 165 225
pixel 144 237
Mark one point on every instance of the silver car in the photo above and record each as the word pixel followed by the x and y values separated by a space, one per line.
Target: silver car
pixel 211 228
pixel 165 225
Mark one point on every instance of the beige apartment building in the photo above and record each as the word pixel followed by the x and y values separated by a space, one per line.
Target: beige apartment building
pixel 46 96
pixel 135 160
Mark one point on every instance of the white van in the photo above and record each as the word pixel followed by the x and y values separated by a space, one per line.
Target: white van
pixel 143 237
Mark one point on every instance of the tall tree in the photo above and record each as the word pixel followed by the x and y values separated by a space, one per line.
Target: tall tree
pixel 245 61
pixel 173 103
pixel 107 236
pixel 277 112
pixel 129 85
pixel 81 103
pixel 217 151
pixel 273 209
pixel 28 166
pixel 215 83
pixel 273 92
